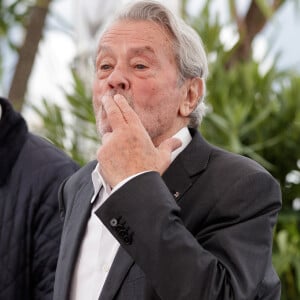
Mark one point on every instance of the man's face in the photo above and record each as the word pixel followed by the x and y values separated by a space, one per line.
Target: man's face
pixel 135 60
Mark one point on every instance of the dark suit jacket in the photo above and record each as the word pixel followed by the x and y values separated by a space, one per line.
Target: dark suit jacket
pixel 31 171
pixel 203 231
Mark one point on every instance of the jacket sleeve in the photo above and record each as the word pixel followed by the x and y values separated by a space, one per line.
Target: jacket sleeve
pixel 47 226
pixel 226 258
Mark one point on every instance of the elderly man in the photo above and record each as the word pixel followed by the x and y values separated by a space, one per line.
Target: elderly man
pixel 162 214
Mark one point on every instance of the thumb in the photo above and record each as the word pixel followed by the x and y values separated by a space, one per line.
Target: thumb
pixel 169 145
pixel 165 149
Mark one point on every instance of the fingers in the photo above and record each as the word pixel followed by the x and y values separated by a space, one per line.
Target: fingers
pixel 118 111
pixel 128 113
pixel 165 152
pixel 113 113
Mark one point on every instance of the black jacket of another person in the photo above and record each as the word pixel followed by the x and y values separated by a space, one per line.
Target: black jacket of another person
pixel 31 170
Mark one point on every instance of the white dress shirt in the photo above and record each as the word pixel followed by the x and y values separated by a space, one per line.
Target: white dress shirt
pixel 99 247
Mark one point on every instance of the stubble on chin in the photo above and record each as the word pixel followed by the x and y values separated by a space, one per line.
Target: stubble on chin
pixel 102 125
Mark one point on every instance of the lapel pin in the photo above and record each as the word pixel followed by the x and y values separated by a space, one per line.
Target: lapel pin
pixel 176 195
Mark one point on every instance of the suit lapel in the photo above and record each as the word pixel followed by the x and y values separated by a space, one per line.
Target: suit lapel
pixel 181 174
pixel 72 237
pixel 177 182
pixel 119 269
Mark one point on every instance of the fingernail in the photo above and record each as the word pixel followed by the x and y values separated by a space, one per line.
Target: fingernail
pixel 104 98
pixel 118 97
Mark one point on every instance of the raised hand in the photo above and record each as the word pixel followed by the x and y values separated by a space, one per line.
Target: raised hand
pixel 127 149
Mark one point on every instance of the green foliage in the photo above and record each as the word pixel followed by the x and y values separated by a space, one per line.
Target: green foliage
pixel 12 15
pixel 286 255
pixel 264 7
pixel 256 113
pixel 71 128
pixel 258 117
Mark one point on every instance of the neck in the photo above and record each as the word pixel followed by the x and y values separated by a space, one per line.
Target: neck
pixel 178 125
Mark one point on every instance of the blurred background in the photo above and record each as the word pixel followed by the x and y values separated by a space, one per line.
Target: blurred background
pixel 47 50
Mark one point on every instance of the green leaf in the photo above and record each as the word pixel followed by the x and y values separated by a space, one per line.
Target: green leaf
pixel 265 8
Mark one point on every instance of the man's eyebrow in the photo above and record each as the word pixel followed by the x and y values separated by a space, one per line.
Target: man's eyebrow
pixel 142 50
pixel 103 48
pixel 133 50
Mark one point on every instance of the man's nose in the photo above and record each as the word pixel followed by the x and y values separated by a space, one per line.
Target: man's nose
pixel 118 79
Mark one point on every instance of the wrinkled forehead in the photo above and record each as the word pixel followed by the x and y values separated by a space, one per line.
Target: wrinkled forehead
pixel 136 31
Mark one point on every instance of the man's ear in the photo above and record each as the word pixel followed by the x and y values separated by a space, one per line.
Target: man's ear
pixel 194 92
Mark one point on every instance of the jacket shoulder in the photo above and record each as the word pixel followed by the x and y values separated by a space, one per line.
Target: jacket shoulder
pixel 80 178
pixel 73 185
pixel 44 152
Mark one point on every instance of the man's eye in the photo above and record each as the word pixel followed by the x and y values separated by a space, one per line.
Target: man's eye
pixel 105 67
pixel 140 66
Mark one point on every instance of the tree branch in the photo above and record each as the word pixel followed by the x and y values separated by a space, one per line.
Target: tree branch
pixel 253 22
pixel 28 52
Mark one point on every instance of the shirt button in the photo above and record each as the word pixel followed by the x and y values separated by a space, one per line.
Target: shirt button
pixel 113 222
pixel 105 268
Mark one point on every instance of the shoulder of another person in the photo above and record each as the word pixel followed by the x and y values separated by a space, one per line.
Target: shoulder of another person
pixel 42 154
